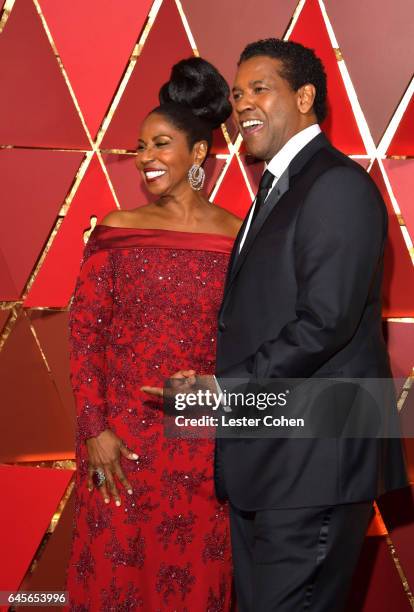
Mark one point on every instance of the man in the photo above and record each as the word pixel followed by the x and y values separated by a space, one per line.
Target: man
pixel 302 299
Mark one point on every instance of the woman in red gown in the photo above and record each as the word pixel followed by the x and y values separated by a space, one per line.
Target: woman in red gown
pixel 150 535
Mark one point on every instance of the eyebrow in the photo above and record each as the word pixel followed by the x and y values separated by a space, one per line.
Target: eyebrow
pixel 157 136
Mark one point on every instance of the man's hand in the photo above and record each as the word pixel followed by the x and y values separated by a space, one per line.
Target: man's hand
pixel 104 451
pixel 184 380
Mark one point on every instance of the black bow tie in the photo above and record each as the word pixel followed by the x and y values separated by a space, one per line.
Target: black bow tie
pixel 265 184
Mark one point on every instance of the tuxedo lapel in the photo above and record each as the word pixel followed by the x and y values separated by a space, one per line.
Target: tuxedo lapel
pixel 281 187
pixel 274 196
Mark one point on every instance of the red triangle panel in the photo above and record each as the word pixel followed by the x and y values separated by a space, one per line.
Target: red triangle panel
pixel 233 193
pixel 376 585
pixel 398 300
pixel 32 206
pixel 52 565
pixel 401 175
pixel 403 141
pixel 166 44
pixel 223 28
pixel 32 421
pixel 32 497
pixel 8 289
pixel 38 106
pixel 400 343
pixel 52 331
pixel 397 509
pixel 56 279
pixel 95 40
pixel 254 170
pixel 340 125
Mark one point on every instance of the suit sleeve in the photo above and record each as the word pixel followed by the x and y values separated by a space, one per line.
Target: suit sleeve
pixel 339 244
pixel 89 326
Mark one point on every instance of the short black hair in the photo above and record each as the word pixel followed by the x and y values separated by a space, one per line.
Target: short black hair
pixel 300 66
pixel 195 99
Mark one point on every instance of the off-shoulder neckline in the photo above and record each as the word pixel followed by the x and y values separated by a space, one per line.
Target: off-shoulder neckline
pixel 158 229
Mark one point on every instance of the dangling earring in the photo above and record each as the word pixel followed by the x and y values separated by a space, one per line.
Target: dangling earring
pixel 196 177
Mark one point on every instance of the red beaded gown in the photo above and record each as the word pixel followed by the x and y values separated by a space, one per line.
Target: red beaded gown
pixel 145 305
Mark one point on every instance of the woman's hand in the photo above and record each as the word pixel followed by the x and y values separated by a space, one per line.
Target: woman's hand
pixel 184 378
pixel 104 451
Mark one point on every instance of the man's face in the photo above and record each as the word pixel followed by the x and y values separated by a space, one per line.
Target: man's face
pixel 265 106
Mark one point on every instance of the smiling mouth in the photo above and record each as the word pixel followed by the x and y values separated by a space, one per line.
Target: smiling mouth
pixel 153 175
pixel 251 126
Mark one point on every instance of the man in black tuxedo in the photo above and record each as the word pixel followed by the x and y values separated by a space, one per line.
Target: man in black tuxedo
pixel 302 300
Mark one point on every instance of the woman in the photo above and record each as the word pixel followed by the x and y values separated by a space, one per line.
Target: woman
pixel 150 533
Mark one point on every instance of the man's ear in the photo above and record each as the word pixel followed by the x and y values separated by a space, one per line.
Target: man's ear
pixel 306 98
pixel 200 152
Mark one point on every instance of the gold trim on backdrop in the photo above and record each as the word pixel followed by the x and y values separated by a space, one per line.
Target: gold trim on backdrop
pixel 395 120
pixel 400 319
pixel 396 208
pixel 76 182
pixel 220 177
pixel 187 28
pixel 49 531
pixel 59 464
pixel 49 148
pixel 246 178
pixel 62 69
pixel 359 116
pixel 58 222
pixel 400 570
pixel 5 13
pixel 8 327
pixel 405 391
pixel 42 257
pixel 128 71
pixel 294 19
pixel 39 346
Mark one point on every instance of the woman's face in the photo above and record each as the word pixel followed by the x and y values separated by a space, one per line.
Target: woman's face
pixel 163 156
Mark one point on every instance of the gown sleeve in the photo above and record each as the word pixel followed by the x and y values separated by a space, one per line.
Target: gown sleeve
pixel 89 332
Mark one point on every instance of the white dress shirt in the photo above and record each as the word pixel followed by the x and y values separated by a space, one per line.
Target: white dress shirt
pixel 281 161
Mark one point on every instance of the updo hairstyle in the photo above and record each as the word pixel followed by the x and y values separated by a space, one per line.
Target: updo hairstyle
pixel 195 99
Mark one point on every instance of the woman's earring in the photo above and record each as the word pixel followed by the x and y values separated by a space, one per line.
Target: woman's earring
pixel 196 177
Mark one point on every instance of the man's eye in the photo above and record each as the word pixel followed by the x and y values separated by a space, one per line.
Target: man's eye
pixel 140 148
pixel 161 144
pixel 259 89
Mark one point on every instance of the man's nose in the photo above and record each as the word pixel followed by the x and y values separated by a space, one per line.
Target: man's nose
pixel 244 103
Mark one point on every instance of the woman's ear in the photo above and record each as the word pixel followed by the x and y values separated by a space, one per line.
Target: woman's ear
pixel 200 152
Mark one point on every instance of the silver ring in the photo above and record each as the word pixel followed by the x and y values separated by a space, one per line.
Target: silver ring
pixel 98 477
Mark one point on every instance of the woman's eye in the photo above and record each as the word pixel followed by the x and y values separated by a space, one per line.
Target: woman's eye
pixel 140 148
pixel 259 89
pixel 161 144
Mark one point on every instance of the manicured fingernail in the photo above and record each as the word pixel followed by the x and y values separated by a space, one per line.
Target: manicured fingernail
pixel 129 491
pixel 134 456
pixel 106 500
pixel 117 503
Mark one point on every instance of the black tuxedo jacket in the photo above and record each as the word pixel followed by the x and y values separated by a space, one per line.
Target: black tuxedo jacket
pixel 302 300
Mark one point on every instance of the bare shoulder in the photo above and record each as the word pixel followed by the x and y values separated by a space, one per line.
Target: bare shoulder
pixel 228 222
pixel 126 218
